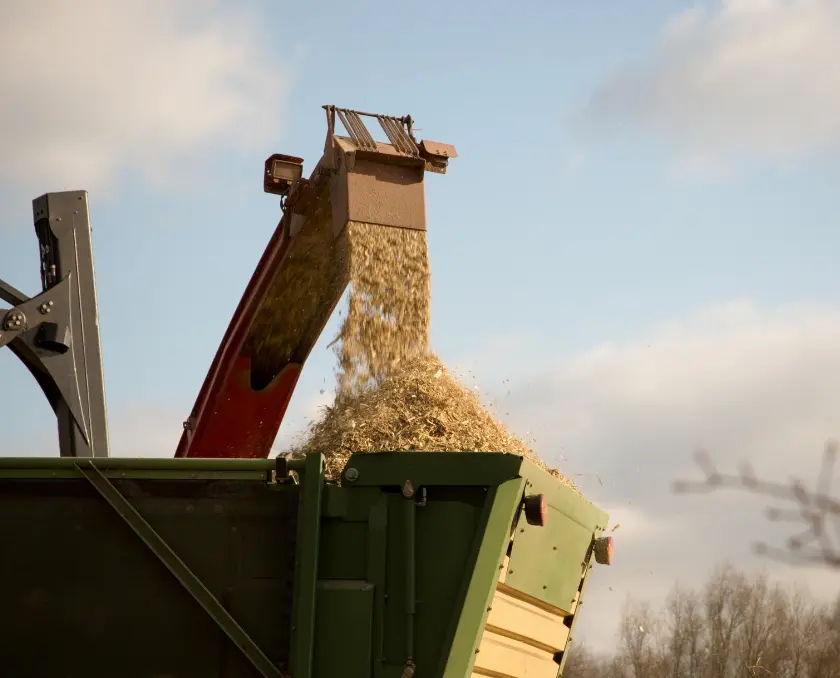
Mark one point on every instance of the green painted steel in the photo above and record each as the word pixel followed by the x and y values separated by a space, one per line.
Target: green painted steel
pixel 80 584
pixel 549 562
pixel 135 464
pixel 479 586
pixel 177 567
pixel 151 469
pixel 306 567
pixel 374 578
pixel 343 632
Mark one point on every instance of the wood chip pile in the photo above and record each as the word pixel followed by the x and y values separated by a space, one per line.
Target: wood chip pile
pixel 393 393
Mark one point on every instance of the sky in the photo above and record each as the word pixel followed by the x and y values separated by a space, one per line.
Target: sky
pixel 633 255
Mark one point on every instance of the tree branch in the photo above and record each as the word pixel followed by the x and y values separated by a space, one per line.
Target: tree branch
pixel 815 508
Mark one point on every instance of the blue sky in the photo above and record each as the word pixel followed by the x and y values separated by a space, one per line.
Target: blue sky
pixel 634 253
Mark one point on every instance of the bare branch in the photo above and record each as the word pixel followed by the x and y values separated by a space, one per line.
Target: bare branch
pixel 815 509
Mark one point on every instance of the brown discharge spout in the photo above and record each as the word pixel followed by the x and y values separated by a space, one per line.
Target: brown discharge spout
pixel 303 273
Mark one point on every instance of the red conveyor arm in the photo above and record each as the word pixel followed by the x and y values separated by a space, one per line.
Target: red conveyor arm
pixel 247 390
pixel 230 419
pixel 300 277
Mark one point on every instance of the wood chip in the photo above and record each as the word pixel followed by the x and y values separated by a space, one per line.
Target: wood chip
pixel 393 393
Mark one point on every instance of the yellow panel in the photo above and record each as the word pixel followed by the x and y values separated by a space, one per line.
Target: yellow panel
pixel 504 569
pixel 524 619
pixel 500 655
pixel 536 602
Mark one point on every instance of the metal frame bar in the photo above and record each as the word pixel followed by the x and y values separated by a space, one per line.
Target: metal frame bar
pixel 89 469
pixel 398 136
pixel 151 469
pixel 306 567
pixel 150 464
pixel 11 295
pixel 398 129
pixel 377 574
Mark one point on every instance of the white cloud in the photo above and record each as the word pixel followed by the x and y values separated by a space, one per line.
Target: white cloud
pixel 91 89
pixel 738 380
pixel 749 81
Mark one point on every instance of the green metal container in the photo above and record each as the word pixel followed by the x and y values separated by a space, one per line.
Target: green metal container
pixel 429 565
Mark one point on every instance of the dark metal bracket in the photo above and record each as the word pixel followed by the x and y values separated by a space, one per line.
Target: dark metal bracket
pixel 177 567
pixel 56 334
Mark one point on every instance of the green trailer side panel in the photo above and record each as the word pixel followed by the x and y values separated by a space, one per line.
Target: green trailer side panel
pixel 548 562
pixel 365 579
pixel 562 497
pixel 343 629
pixel 470 612
pixel 180 570
pixel 377 554
pixel 342 553
pixel 75 577
pixel 445 529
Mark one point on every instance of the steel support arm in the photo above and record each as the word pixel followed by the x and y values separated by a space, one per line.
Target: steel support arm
pixel 56 333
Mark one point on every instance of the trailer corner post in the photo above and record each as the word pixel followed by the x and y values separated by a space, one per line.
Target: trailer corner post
pixel 306 566
pixel 471 612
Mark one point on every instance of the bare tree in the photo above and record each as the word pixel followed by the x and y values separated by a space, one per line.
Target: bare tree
pixel 584 664
pixel 815 509
pixel 733 627
pixel 637 640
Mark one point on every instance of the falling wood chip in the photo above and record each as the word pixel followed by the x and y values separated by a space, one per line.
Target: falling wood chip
pixel 389 380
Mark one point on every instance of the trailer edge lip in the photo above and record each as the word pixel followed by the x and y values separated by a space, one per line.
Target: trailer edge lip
pixel 138 463
pixel 49 468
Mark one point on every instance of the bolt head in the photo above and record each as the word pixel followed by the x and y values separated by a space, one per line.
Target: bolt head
pixel 351 475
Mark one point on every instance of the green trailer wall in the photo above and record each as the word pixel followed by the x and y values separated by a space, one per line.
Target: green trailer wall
pixel 189 568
